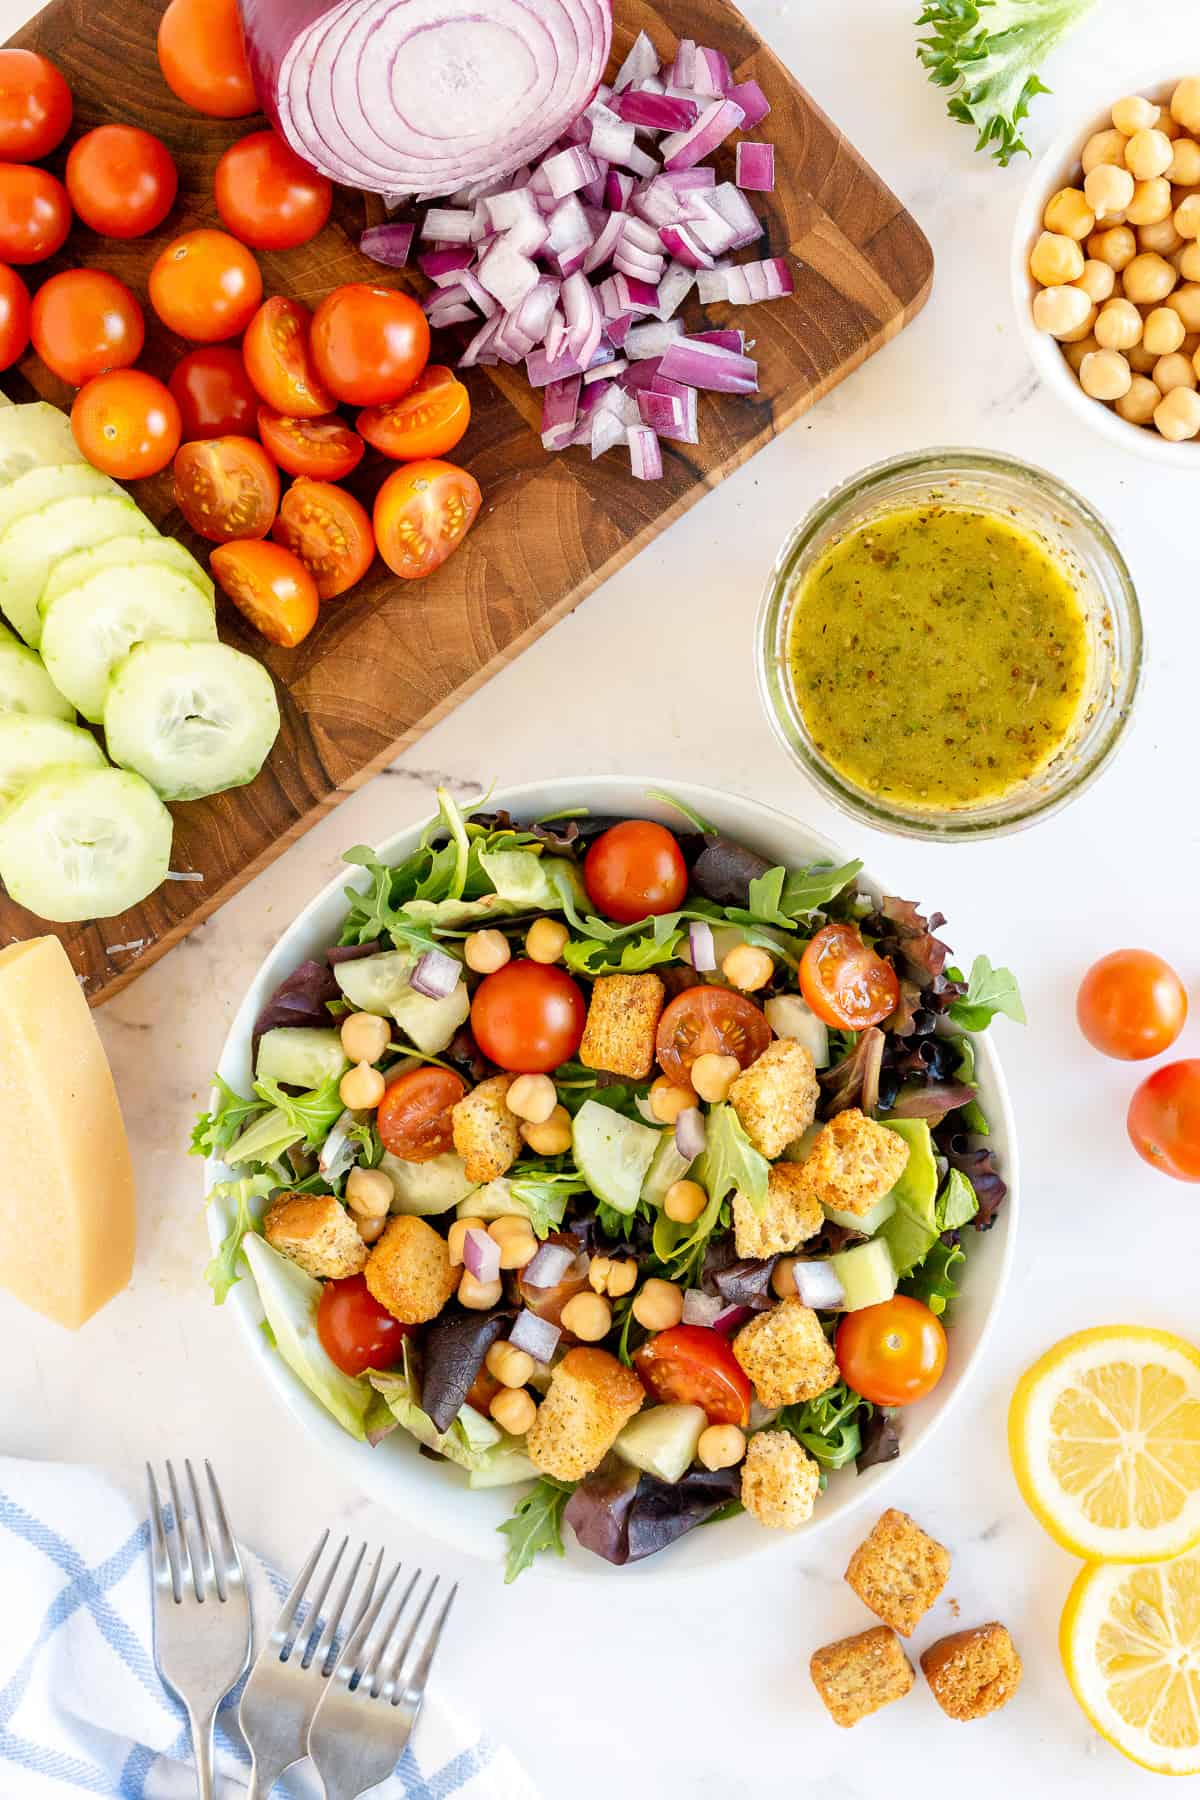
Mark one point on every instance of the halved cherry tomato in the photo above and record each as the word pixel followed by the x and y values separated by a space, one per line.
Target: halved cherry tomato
pixel 279 361
pixel 84 322
pixel 427 421
pixel 692 1365
pixel 271 586
pixel 709 1021
pixel 126 423
pixel 355 1331
pixel 1131 1004
pixel 35 214
pixel 413 1119
pixel 423 512
pixel 633 870
pixel 325 448
pixel 267 196
pixel 203 58
pixel 216 396
pixel 548 1303
pixel 122 180
pixel 370 343
pixel 1164 1120
pixel 206 286
pixel 227 488
pixel 329 531
pixel 35 106
pixel 893 1353
pixel 14 317
pixel 528 1017
pixel 844 981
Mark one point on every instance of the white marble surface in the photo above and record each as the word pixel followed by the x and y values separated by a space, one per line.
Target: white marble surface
pixel 702 1690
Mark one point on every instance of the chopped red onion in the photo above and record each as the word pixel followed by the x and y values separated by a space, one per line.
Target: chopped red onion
pixel 560 410
pixel 479 350
pixel 711 284
pixel 749 283
pixel 633 295
pixel 548 1266
pixel 450 312
pixel 388 244
pixel 674 288
pixel 753 102
pixel 435 974
pixel 507 274
pixel 437 263
pixel 818 1286
pixel 607 239
pixel 641 164
pixel 657 112
pixel 569 171
pixel 714 125
pixel 533 1334
pixel 481 1255
pixel 702 950
pixel 611 139
pixel 728 340
pixel 449 225
pixel 733 206
pixel 701 1309
pixel 689 431
pixel 690 1132
pixel 537 308
pixel 728 1321
pixel 607 431
pixel 639 267
pixel 652 340
pixel 606 371
pixel 618 190
pixel 708 366
pixel 755 168
pixel 665 414
pixel 712 74
pixel 640 377
pixel 645 456
pixel 617 330
pixel 682 73
pixel 640 65
pixel 684 247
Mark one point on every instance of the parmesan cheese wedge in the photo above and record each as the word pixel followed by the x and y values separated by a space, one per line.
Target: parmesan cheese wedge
pixel 67 1210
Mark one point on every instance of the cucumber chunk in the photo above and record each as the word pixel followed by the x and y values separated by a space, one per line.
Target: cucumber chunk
pixel 84 844
pixel 867 1274
pixel 431 1025
pixel 25 686
pixel 28 745
pixel 869 1222
pixel 372 983
pixel 663 1440
pixel 302 1056
pixel 89 629
pixel 667 1167
pixel 124 552
pixel 613 1154
pixel 36 541
pixel 428 1188
pixel 34 436
pixel 193 719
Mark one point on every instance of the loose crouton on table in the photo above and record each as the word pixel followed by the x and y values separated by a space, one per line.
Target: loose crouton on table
pixel 790 1215
pixel 622 1020
pixel 316 1232
pixel 486 1135
pixel 591 1396
pixel 898 1571
pixel 775 1099
pixel 780 1480
pixel 972 1673
pixel 858 1675
pixel 409 1271
pixel 854 1162
pixel 786 1354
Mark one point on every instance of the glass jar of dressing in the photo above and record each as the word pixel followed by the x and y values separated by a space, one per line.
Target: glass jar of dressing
pixel 950 644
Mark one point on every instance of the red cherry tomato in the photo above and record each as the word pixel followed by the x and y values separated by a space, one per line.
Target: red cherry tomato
pixel 892 1354
pixel 634 870
pixel 704 1021
pixel 423 512
pixel 35 214
pixel 1131 1004
pixel 206 286
pixel 427 421
pixel 122 181
pixel 14 317
pixel 227 488
pixel 84 323
pixel 413 1119
pixel 355 1331
pixel 329 531
pixel 845 983
pixel 35 106
pixel 270 586
pixel 1164 1120
pixel 325 449
pixel 268 197
pixel 528 1017
pixel 126 423
pixel 279 361
pixel 370 343
pixel 691 1365
pixel 203 58
pixel 216 397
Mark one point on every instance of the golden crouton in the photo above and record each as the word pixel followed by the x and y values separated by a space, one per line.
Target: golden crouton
pixel 486 1135
pixel 316 1231
pixel 854 1162
pixel 409 1271
pixel 780 1480
pixel 591 1397
pixel 898 1572
pixel 776 1097
pixel 973 1672
pixel 621 1025
pixel 790 1215
pixel 858 1675
pixel 786 1354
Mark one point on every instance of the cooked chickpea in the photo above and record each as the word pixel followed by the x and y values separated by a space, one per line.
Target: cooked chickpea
pixel 659 1305
pixel 361 1087
pixel 721 1447
pixel 1119 325
pixel 1081 331
pixel 1188 262
pixel 1055 259
pixel 456 1236
pixel 1108 191
pixel 1187 217
pixel 510 1367
pixel 479 1296
pixel 365 1037
pixel 1097 281
pixel 1105 375
pixel 1174 371
pixel 1117 246
pixel 1185 104
pixel 1068 212
pixel 514 1411
pixel 1151 203
pixel 713 1076
pixel 1162 331
pixel 370 1192
pixel 552 1137
pixel 587 1317
pixel 1104 147
pixel 517 1240
pixel 546 940
pixel 783 1277
pixel 486 951
pixel 667 1101
pixel 1075 353
pixel 1137 406
pixel 533 1098
pixel 1147 154
pixel 1061 310
pixel 1177 414
pixel 684 1201
pixel 1161 237
pixel 370 1230
pixel 1141 360
pixel 622 1277
pixel 746 966
pixel 1135 113
pixel 1148 279
pixel 1186 302
pixel 1185 163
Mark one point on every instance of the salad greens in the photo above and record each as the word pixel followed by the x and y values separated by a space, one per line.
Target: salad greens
pixel 536 1525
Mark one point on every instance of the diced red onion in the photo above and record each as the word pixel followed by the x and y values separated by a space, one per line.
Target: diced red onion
pixel 568 227
pixel 448 225
pixel 606 372
pixel 585 322
pixel 712 284
pixel 388 244
pixel 618 190
pixel 481 1255
pixel 448 313
pixel 700 1308
pixel 641 163
pixel 690 1133
pixel 645 456
pixel 682 72
pixel 617 330
pixel 750 283
pixel 537 308
pixel 716 122
pixel 657 112
pixel 436 975
pixel 437 263
pixel 639 65
pixel 689 431
pixel 728 1321
pixel 674 288
pixel 479 350
pixel 755 167
pixel 640 377
pixel 709 366
pixel 712 74
pixel 736 210
pixel 637 234
pixel 560 410
pixel 658 204
pixel 663 413
pixel 635 296
pixel 548 1266
pixel 653 340
pixel 702 951
pixel 555 338
pixel 683 246
pixel 688 181
pixel 753 102
pixel 339 1151
pixel 640 267
pixel 611 138
pixel 527 236
pixel 607 239
pixel 533 1334
pixel 507 274
pixel 728 340
pixel 818 1286
pixel 607 431
pixel 569 171
pixel 506 209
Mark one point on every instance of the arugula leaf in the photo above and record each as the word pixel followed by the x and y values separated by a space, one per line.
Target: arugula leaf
pixel 693 818
pixel 989 991
pixel 312 1114
pixel 829 1427
pixel 592 956
pixel 214 1132
pixel 222 1272
pixel 957 1203
pixel 783 896
pixel 935 1281
pixel 536 1525
pixel 729 1163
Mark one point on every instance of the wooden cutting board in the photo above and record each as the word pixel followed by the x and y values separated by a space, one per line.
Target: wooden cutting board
pixel 394 657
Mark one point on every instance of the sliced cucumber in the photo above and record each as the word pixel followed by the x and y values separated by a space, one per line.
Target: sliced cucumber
pixel 84 844
pixel 867 1274
pixel 124 552
pixel 662 1440
pixel 428 1188
pixel 34 436
pixel 613 1154
pixel 431 1024
pixel 303 1056
pixel 28 745
pixel 35 542
pixel 25 686
pixel 89 629
pixel 194 719
pixel 38 488
pixel 372 983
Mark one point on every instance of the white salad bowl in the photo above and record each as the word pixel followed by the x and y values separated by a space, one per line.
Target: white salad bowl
pixel 434 1496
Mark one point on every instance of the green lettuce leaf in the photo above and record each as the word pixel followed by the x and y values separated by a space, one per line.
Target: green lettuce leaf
pixel 290 1298
pixel 729 1163
pixel 311 1114
pixel 912 1229
pixel 957 1203
pixel 222 1273
pixel 536 1526
pixel 544 1195
pixel 473 1442
pixel 786 896
pixel 989 991
pixel 936 1280
pixel 214 1132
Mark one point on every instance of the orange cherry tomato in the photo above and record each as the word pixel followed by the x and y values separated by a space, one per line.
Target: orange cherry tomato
pixel 203 58
pixel 427 421
pixel 1131 1004
pixel 356 1332
pixel 1164 1120
pixel 216 396
pixel 329 531
pixel 413 1118
pixel 126 423
pixel 692 1365
pixel 267 196
pixel 370 343
pixel 279 361
pixel 326 448
pixel 528 1017
pixel 122 181
pixel 633 870
pixel 271 586
pixel 704 1021
pixel 15 312
pixel 35 106
pixel 35 214
pixel 84 322
pixel 227 488
pixel 206 286
pixel 844 982
pixel 892 1354
pixel 423 512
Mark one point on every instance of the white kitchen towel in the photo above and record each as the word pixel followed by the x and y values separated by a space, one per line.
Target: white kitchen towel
pixel 82 1709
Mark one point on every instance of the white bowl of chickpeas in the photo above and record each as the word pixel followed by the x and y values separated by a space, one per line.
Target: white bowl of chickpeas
pixel 1106 270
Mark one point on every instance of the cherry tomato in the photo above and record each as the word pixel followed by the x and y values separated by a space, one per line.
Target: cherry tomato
pixel 329 531
pixel 270 586
pixel 427 421
pixel 1131 1004
pixel 548 1303
pixel 227 488
pixel 35 106
pixel 122 181
pixel 1164 1120
pixel 528 1017
pixel 206 286
pixel 326 448
pixel 844 981
pixel 215 395
pixel 83 322
pixel 709 1020
pixel 633 870
pixel 413 1119
pixel 892 1354
pixel 268 197
pixel 126 423
pixel 14 317
pixel 355 1331
pixel 691 1365
pixel 279 361
pixel 423 512
pixel 35 214
pixel 203 58
pixel 370 343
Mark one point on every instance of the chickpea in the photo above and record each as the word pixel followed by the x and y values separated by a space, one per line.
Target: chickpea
pixel 1108 191
pixel 1069 214
pixel 1083 330
pixel 1119 326
pixel 721 1447
pixel 1117 247
pixel 479 1296
pixel 370 1230
pixel 713 1076
pixel 369 1193
pixel 1174 371
pixel 599 1269
pixel 659 1305
pixel 747 967
pixel 514 1411
pixel 1104 147
pixel 1135 113
pixel 1097 281
pixel 1148 279
pixel 684 1201
pixel 511 1367
pixel 518 1244
pixel 1186 302
pixel 1055 259
pixel 783 1277
pixel 1189 262
pixel 486 951
pixel 1162 331
pixel 622 1277
pixel 1137 406
pixel 546 940
pixel 1185 104
pixel 361 1087
pixel 533 1098
pixel 456 1236
pixel 1185 163
pixel 1151 203
pixel 587 1317
pixel 1105 375
pixel 1187 217
pixel 1147 154
pixel 1141 360
pixel 1161 237
pixel 667 1101
pixel 1177 415
pixel 552 1137
pixel 365 1037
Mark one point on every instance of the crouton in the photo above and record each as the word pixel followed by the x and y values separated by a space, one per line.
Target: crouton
pixel 409 1271
pixel 776 1097
pixel 790 1215
pixel 786 1354
pixel 858 1675
pixel 780 1480
pixel 621 1025
pixel 898 1572
pixel 591 1397
pixel 854 1162
pixel 486 1135
pixel 316 1231
pixel 972 1673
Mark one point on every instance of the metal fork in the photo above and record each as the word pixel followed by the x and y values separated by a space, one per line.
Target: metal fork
pixel 369 1710
pixel 202 1627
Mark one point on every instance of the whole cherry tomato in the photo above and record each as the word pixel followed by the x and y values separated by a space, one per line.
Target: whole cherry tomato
pixel 427 421
pixel 1131 1004
pixel 227 488
pixel 355 1331
pixel 126 423
pixel 270 586
pixel 84 322
pixel 893 1353
pixel 692 1365
pixel 528 1017
pixel 329 531
pixel 413 1118
pixel 203 58
pixel 325 448
pixel 1164 1120
pixel 279 360
pixel 15 311
pixel 267 196
pixel 423 512
pixel 709 1021
pixel 215 395
pixel 633 870
pixel 35 214
pixel 206 286
pixel 122 181
pixel 845 982
pixel 35 106
pixel 370 343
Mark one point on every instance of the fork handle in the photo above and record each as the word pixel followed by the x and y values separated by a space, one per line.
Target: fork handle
pixel 202 1749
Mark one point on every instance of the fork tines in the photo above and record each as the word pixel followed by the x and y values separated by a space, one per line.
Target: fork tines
pixel 301 1614
pixel 182 1550
pixel 383 1660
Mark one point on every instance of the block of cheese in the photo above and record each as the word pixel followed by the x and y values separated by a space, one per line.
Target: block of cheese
pixel 66 1178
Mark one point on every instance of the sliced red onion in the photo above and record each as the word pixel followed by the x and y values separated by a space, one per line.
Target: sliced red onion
pixel 753 102
pixel 533 1334
pixel 818 1286
pixel 548 1266
pixel 560 410
pixel 690 1132
pixel 701 1309
pixel 657 112
pixel 388 244
pixel 645 455
pixel 728 1321
pixel 702 950
pixel 481 1255
pixel 708 366
pixel 435 974
pixel 755 167
pixel 640 65
pixel 654 340
pixel 714 125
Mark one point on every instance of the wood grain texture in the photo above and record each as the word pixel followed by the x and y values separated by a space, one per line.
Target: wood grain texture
pixel 390 660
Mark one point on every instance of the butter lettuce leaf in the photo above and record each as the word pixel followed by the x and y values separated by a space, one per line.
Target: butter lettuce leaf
pixel 222 1273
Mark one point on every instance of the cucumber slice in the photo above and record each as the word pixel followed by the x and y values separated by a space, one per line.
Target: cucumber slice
pixel 431 1025
pixel 28 745
pixel 89 629
pixel 428 1188
pixel 35 542
pixel 613 1154
pixel 34 436
pixel 867 1274
pixel 663 1440
pixel 25 686
pixel 194 719
pixel 84 844
pixel 372 983
pixel 303 1056
pixel 37 488
pixel 124 552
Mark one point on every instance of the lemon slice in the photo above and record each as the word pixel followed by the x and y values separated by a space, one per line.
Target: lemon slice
pixel 1130 1642
pixel 1104 1435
